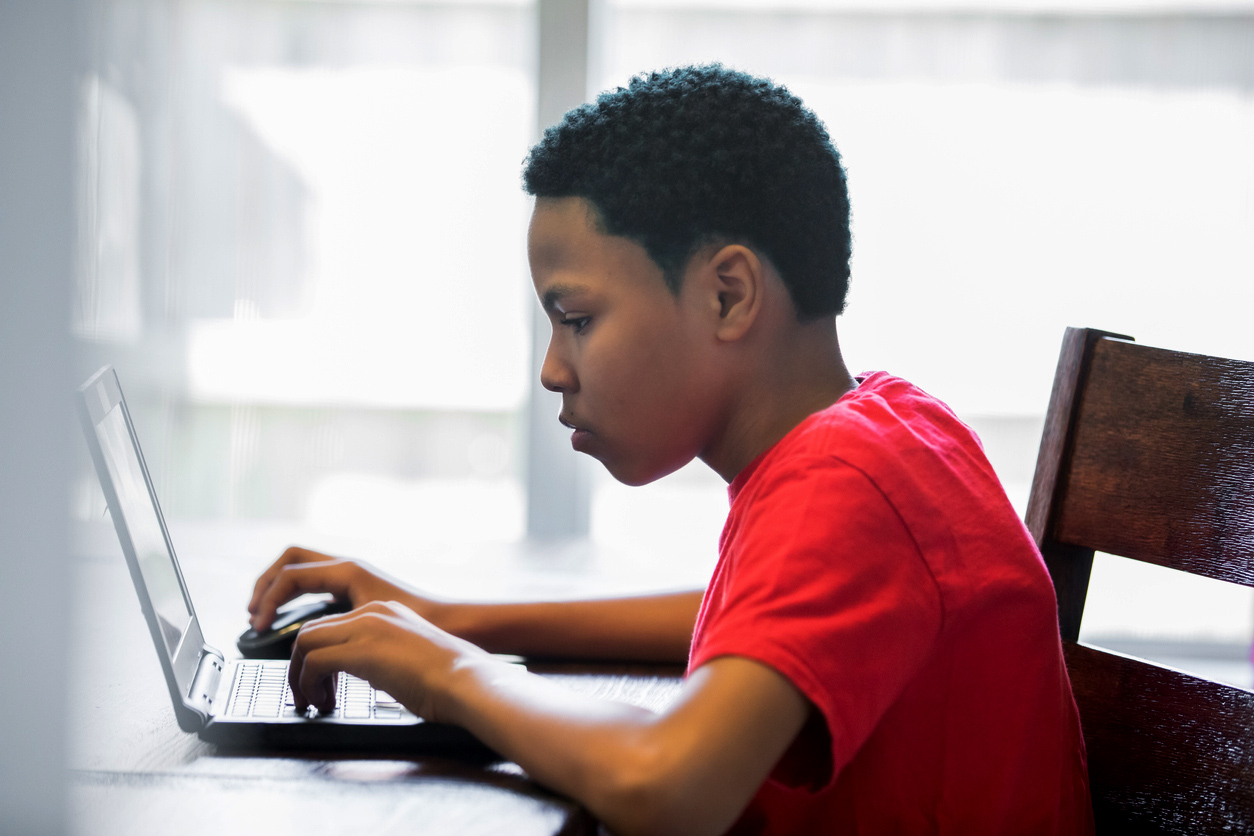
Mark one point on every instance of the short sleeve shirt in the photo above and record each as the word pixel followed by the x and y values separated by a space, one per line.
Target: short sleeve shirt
pixel 872 558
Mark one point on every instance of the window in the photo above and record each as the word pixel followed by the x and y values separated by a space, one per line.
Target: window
pixel 305 241
pixel 305 254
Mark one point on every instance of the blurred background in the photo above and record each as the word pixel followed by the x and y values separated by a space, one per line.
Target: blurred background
pixel 303 248
pixel 297 230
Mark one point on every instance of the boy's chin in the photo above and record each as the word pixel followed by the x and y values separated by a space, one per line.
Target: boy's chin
pixel 635 474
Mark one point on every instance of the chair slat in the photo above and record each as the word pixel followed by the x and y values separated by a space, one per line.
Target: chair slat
pixel 1055 449
pixel 1184 424
pixel 1168 752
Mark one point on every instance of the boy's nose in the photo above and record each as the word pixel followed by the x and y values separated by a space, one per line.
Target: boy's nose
pixel 555 374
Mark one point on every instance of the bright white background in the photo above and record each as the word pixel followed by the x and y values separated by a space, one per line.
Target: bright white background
pixel 304 250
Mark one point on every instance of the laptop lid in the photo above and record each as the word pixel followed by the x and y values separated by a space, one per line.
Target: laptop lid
pixel 145 541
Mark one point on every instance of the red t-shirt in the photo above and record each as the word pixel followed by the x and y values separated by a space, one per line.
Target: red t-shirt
pixel 872 558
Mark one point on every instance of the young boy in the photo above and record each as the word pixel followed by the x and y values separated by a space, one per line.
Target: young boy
pixel 878 649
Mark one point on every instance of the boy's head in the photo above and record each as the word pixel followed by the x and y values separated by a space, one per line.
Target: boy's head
pixel 690 245
pixel 694 156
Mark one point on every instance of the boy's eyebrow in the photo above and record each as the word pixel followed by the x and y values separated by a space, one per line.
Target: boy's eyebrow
pixel 556 293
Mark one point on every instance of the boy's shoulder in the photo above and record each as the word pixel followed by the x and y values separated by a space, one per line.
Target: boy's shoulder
pixel 898 436
pixel 890 450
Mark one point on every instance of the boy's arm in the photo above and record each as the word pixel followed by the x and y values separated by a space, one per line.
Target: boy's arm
pixel 654 628
pixel 690 770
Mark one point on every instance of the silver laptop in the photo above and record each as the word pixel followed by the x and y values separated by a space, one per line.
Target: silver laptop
pixel 242 702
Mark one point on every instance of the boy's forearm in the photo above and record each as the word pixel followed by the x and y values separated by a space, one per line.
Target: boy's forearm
pixel 689 770
pixel 607 755
pixel 654 628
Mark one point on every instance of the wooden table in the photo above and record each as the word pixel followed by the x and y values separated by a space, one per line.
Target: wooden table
pixel 134 772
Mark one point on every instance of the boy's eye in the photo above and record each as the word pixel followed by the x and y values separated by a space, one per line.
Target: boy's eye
pixel 578 323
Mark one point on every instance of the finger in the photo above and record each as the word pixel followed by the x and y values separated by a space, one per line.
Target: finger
pixel 314 681
pixel 293 554
pixel 399 610
pixel 337 638
pixel 332 575
pixel 324 631
pixel 322 698
pixel 313 636
pixel 340 628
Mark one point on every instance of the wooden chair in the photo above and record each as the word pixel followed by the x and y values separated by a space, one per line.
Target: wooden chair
pixel 1149 454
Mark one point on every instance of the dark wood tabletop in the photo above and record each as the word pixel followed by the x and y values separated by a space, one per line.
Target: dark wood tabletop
pixel 134 772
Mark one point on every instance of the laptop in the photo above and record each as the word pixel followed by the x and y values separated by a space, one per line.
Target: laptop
pixel 239 702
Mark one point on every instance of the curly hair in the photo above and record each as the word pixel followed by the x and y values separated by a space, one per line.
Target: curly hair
pixel 702 155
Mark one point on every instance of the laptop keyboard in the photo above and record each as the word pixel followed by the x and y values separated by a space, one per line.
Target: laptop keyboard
pixel 262 691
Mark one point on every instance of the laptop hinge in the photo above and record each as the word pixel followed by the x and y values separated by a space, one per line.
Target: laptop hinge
pixel 205 684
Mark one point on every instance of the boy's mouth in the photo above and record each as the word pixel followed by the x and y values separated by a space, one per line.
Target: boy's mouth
pixel 579 437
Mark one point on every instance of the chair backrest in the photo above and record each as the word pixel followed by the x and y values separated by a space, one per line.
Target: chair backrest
pixel 1149 454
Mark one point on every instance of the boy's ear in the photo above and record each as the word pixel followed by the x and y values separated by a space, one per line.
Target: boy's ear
pixel 737 285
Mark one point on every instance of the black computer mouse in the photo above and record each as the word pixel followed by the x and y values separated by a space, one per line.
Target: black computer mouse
pixel 276 643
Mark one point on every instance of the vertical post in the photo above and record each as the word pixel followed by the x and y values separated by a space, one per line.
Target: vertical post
pixel 39 60
pixel 558 479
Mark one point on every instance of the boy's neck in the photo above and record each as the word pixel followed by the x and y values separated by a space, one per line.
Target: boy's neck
pixel 796 377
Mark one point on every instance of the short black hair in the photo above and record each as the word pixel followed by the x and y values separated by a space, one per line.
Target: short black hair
pixel 691 156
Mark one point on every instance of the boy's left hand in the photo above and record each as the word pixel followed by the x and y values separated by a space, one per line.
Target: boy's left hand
pixel 385 643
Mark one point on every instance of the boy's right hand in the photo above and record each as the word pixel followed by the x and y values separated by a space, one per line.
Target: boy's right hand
pixel 299 571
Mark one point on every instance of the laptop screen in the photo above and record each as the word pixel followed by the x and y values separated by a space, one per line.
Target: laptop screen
pixel 142 523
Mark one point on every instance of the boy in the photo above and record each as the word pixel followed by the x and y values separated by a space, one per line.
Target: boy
pixel 877 651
